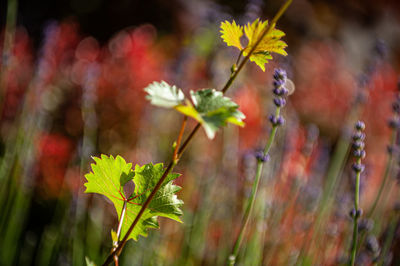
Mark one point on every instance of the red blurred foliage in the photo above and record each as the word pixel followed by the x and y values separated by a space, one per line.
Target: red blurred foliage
pixel 53 154
pixel 17 73
pixel 324 87
pixel 248 98
pixel 129 63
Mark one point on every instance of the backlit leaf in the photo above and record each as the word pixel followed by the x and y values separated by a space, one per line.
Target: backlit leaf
pixel 212 110
pixel 164 95
pixel 231 34
pixel 271 43
pixel 107 178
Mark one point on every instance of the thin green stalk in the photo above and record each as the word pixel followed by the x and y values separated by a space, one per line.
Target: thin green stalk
pixel 389 238
pixel 333 178
pixel 356 216
pixel 251 200
pixel 173 162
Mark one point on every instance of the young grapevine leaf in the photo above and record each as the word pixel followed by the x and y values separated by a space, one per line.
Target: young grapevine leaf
pixel 271 43
pixel 164 95
pixel 212 110
pixel 231 34
pixel 110 174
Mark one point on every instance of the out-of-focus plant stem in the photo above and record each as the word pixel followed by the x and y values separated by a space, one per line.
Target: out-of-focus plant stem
pixel 9 35
pixel 385 177
pixel 334 172
pixel 251 200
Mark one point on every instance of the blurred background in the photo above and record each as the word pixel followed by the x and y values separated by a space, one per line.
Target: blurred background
pixel 72 75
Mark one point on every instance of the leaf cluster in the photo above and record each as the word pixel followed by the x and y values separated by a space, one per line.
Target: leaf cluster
pixel 209 107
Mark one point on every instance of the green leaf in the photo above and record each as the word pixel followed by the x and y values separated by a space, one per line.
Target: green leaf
pixel 164 95
pixel 212 110
pixel 107 178
pixel 89 262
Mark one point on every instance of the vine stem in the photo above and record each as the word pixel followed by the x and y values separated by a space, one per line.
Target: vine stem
pixel 251 200
pixel 182 148
pixel 119 227
pixel 175 157
pixel 355 218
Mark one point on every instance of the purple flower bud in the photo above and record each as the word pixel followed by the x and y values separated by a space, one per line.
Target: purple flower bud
pixel 280 74
pixel 359 154
pixel 358 167
pixel 358 145
pixel 396 107
pixel 360 126
pixel 279 102
pixel 261 157
pixel 278 83
pixel 394 124
pixel 358 136
pixel 276 121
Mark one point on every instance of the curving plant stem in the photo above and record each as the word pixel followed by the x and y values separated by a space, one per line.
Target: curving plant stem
pixel 250 203
pixel 184 145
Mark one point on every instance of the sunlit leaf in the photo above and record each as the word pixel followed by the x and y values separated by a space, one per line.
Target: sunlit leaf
pixel 231 34
pixel 164 95
pixel 270 43
pixel 212 110
pixel 107 178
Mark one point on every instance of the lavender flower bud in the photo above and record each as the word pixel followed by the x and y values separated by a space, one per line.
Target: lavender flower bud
pixel 261 157
pixel 278 83
pixel 279 102
pixel 358 145
pixel 276 121
pixel 358 136
pixel 358 167
pixel 280 74
pixel 394 124
pixel 360 126
pixel 359 154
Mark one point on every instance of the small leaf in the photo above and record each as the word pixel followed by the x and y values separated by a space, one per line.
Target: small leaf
pixel 89 262
pixel 164 95
pixel 271 43
pixel 107 178
pixel 212 110
pixel 231 34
